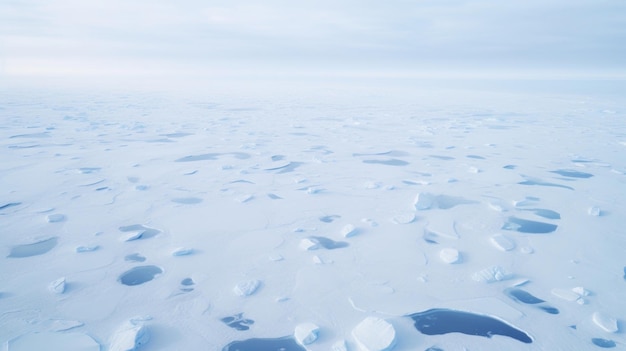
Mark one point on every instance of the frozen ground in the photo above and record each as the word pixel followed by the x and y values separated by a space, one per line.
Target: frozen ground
pixel 339 219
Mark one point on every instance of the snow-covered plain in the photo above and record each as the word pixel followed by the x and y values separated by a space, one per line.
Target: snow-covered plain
pixel 321 219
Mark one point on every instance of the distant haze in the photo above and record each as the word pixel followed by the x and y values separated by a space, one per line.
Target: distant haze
pixel 429 38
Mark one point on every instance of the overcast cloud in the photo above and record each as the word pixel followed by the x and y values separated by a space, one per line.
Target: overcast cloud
pixel 121 37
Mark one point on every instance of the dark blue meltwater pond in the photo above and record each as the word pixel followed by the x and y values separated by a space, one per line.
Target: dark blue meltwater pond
pixel 139 275
pixel 277 344
pixel 444 321
pixel 528 226
pixel 604 343
pixel 525 297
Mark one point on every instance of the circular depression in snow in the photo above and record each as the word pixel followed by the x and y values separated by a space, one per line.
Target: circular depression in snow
pixel 139 275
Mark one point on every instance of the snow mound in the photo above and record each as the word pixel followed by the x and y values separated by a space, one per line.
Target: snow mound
pixel 604 322
pixel 492 274
pixel 339 346
pixel 571 295
pixel 449 255
pixel 306 333
pixel 349 230
pixel 403 218
pixel 247 288
pixel 594 211
pixel 57 286
pixel 129 336
pixel 309 244
pixel 426 201
pixel 502 242
pixel 374 334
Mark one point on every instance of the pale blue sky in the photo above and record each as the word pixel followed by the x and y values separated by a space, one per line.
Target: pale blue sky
pixel 192 37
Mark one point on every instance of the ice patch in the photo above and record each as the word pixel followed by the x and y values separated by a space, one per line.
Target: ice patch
pixel 187 200
pixel 176 135
pixel 88 248
pixel 388 162
pixel 306 333
pixel 502 242
pixel 34 249
pixel 374 334
pixel 349 230
pixel 594 211
pixel 565 294
pixel 492 274
pixel 138 232
pixel 426 201
pixel 247 288
pixel 605 322
pixel 439 157
pixel 449 255
pixel 57 286
pixel 53 342
pixel 212 156
pixel 139 275
pixel 88 170
pixel 55 218
pixel 182 251
pixel 403 218
pixel 129 336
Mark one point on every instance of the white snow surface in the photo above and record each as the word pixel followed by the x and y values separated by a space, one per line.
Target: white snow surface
pixel 99 185
pixel 51 341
